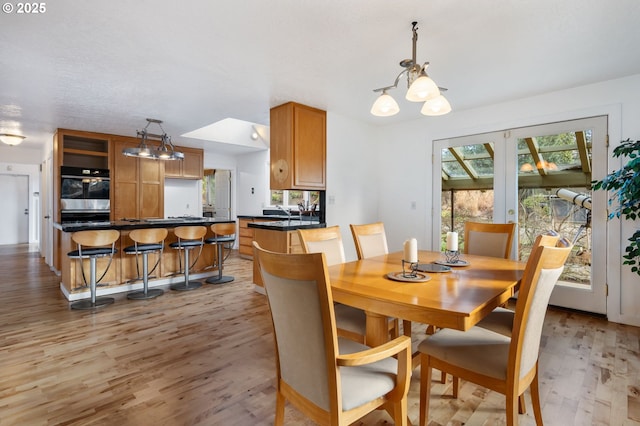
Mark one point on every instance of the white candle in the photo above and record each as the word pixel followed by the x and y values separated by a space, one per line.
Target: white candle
pixel 452 241
pixel 411 250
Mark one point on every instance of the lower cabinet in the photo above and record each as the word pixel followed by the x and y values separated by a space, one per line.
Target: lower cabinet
pixel 245 239
pixel 279 241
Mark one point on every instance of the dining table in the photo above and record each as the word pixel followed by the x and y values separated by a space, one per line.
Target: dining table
pixel 456 298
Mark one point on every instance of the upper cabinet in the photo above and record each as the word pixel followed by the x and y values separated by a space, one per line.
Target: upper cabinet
pixel 189 168
pixel 298 147
pixel 82 149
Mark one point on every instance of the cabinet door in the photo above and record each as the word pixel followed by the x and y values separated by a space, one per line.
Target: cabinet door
pixel 192 165
pixel 151 188
pixel 124 181
pixel 309 152
pixel 173 168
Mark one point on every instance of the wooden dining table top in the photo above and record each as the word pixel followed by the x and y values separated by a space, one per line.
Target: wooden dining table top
pixel 457 299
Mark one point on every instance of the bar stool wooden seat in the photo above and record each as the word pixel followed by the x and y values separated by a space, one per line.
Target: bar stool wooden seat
pixel 189 237
pixel 146 241
pixel 225 233
pixel 92 245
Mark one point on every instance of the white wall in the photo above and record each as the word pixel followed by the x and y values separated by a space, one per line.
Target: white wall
pixel 406 150
pixel 252 183
pixel 182 197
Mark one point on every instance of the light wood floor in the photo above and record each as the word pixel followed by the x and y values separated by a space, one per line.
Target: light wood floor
pixel 206 357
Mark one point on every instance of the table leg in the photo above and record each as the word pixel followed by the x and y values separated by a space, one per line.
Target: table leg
pixel 377 329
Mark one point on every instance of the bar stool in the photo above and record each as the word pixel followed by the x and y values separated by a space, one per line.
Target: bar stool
pixel 225 234
pixel 146 241
pixel 189 237
pixel 91 245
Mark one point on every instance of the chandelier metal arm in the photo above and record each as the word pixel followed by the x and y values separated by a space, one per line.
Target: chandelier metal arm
pixel 395 84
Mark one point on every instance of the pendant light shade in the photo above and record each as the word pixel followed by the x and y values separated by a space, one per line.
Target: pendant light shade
pixel 436 106
pixel 422 89
pixel 385 106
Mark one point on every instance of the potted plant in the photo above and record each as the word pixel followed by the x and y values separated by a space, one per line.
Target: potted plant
pixel 624 185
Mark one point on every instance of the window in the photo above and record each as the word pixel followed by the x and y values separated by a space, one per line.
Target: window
pixel 292 198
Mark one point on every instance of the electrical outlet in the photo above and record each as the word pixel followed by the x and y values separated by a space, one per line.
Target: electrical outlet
pixel 331 199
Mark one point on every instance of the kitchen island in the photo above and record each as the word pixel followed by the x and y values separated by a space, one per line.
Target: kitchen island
pixel 280 236
pixel 122 275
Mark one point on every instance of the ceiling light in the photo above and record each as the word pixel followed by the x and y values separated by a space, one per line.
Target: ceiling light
pixel 10 139
pixel 421 88
pixel 164 151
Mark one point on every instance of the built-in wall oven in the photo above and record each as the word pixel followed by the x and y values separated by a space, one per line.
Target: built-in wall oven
pixel 84 194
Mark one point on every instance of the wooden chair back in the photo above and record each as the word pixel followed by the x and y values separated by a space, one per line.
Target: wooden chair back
pixel 190 232
pixel 488 239
pixel 148 235
pixel 222 229
pixel 323 240
pixel 96 238
pixel 370 239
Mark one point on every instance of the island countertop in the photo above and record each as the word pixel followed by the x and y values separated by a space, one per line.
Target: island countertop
pixel 129 224
pixel 286 225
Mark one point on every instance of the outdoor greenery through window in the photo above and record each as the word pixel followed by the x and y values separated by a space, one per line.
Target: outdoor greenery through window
pixel 293 198
pixel 545 164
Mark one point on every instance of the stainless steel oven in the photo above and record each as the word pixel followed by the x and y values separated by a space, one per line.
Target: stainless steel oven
pixel 84 194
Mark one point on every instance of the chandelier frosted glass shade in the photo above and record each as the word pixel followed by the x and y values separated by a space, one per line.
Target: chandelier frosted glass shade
pixel 385 106
pixel 422 89
pixel 436 106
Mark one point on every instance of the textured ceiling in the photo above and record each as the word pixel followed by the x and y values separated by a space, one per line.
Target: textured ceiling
pixel 106 66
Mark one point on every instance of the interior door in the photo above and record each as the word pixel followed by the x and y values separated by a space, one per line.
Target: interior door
pixel 529 166
pixel 222 204
pixel 14 216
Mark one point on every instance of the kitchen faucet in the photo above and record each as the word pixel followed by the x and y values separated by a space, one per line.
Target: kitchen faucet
pixel 287 211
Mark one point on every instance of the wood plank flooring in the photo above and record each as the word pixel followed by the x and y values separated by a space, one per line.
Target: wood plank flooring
pixel 206 357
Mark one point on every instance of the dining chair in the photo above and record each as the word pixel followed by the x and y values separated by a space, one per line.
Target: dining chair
pixel 508 365
pixel 488 239
pixel 351 322
pixel 331 379
pixel 371 240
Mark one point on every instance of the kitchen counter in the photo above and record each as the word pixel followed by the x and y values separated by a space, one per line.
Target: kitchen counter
pixel 129 224
pixel 286 225
pixel 123 273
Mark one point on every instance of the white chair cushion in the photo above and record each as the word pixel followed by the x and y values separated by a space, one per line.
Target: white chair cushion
pixel 477 349
pixel 350 319
pixel 365 383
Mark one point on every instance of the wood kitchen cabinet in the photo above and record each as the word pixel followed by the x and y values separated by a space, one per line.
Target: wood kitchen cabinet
pixel 298 147
pixel 138 184
pixel 190 168
pixel 246 236
pixel 278 241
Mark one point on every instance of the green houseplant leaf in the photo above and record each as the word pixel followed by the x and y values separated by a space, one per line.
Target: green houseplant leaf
pixel 624 188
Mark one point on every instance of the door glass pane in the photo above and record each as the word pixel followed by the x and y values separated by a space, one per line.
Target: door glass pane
pixel 467 187
pixel 547 164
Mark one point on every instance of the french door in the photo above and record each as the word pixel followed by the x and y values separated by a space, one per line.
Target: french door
pixel 540 178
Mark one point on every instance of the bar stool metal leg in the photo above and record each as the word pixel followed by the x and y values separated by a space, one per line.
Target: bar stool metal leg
pixel 94 302
pixel 145 293
pixel 220 279
pixel 186 285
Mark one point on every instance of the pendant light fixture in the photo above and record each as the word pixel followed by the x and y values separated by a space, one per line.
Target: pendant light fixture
pixel 164 151
pixel 421 88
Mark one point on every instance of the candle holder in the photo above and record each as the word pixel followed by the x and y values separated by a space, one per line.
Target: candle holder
pixel 409 269
pixel 452 256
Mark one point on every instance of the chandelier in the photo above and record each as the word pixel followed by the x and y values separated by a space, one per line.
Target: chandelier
pixel 164 151
pixel 420 88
